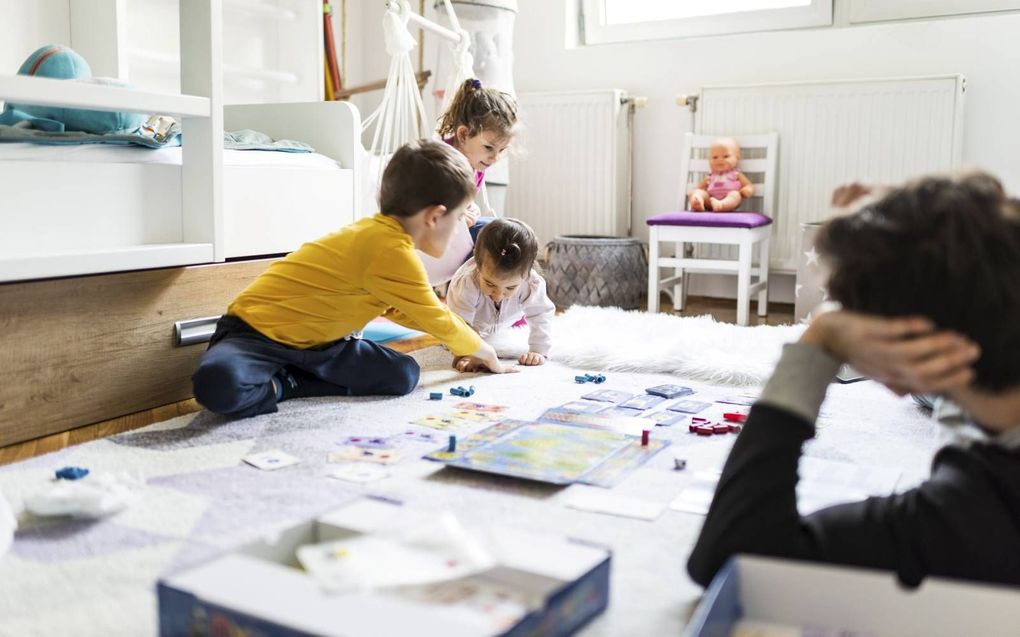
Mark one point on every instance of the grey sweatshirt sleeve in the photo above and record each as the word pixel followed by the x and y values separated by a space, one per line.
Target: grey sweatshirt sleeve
pixel 800 380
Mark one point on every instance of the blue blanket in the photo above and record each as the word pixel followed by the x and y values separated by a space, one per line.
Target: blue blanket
pixel 235 140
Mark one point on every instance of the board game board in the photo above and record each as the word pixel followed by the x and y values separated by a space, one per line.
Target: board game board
pixel 557 453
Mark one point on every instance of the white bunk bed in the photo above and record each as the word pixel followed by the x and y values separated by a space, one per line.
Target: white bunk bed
pixel 72 211
pixel 82 349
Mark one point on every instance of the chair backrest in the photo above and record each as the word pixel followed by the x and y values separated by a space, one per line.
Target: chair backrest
pixel 757 162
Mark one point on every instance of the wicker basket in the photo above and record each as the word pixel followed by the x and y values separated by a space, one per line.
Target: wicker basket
pixel 605 271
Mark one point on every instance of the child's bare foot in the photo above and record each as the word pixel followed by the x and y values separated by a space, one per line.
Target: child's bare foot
pixel 717 205
pixel 697 204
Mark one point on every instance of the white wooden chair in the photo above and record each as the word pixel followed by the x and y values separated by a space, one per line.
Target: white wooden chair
pixel 749 226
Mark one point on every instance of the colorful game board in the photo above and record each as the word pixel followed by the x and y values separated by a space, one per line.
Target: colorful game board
pixel 554 453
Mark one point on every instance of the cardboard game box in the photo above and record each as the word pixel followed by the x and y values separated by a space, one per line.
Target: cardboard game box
pixel 771 597
pixel 534 585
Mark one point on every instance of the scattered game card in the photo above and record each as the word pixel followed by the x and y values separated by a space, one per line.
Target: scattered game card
pixel 597 500
pixel 608 396
pixel 368 442
pixel 697 496
pixel 642 402
pixel 358 472
pixel 444 423
pixel 491 409
pixel 670 391
pixel 582 407
pixel 742 399
pixel 621 411
pixel 688 406
pixel 382 456
pixel 271 460
pixel 664 418
pixel 476 416
pixel 419 436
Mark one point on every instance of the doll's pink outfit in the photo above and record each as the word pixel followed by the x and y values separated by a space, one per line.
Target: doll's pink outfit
pixel 722 184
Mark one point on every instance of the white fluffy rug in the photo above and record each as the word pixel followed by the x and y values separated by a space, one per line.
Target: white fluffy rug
pixel 696 347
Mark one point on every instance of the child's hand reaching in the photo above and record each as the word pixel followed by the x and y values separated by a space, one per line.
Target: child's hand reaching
pixel 471 214
pixel 484 359
pixel 531 358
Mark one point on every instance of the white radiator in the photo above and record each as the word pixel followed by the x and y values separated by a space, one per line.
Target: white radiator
pixel 830 133
pixel 573 174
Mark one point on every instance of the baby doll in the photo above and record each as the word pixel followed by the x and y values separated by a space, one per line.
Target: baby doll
pixel 725 187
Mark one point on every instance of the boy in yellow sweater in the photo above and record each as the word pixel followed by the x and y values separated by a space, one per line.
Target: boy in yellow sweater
pixel 295 331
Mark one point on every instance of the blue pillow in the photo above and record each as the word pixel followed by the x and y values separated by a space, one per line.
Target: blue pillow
pixel 61 63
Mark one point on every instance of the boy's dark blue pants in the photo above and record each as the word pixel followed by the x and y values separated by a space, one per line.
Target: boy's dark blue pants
pixel 234 375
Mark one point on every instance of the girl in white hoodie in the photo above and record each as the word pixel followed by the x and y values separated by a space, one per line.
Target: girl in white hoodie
pixel 499 287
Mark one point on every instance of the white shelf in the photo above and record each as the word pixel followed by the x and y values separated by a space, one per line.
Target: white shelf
pixel 20 89
pixel 141 257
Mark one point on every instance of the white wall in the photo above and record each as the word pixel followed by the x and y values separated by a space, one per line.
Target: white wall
pixel 983 48
pixel 27 25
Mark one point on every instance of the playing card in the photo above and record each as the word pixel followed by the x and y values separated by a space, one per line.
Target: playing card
pixel 368 442
pixel 382 456
pixel 582 407
pixel 476 416
pixel 359 472
pixel 608 396
pixel 599 500
pixel 664 418
pixel 469 406
pixel 443 423
pixel 688 406
pixel 670 391
pixel 742 399
pixel 271 460
pixel 418 436
pixel 645 401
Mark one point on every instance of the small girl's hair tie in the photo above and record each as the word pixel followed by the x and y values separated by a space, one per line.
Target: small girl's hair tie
pixel 476 84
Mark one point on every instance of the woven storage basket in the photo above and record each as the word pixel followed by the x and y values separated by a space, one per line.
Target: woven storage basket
pixel 605 271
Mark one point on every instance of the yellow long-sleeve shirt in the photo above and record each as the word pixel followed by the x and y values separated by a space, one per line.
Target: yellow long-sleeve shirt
pixel 334 286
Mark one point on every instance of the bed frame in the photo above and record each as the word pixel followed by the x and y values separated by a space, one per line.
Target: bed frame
pixel 79 349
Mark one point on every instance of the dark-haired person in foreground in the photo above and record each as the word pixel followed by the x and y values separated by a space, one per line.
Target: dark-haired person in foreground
pixel 928 278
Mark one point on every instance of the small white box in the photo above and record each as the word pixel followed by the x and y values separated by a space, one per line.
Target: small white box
pixel 850 601
pixel 259 589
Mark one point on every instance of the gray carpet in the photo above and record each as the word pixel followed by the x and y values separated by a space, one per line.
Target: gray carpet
pixel 97 577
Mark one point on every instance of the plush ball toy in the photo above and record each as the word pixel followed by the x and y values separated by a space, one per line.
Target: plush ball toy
pixel 61 63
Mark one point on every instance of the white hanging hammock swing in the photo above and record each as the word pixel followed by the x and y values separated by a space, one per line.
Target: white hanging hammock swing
pixel 400 117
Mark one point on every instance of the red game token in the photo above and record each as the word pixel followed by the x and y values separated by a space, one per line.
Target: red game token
pixel 704 430
pixel 735 429
pixel 735 416
pixel 720 428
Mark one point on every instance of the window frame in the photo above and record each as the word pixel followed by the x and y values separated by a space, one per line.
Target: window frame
pixel 868 11
pixel 595 30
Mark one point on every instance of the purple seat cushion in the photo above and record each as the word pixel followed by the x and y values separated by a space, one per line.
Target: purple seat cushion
pixel 710 219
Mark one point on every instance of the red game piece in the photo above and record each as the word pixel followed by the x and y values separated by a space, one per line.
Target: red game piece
pixel 720 428
pixel 692 428
pixel 735 429
pixel 698 420
pixel 644 438
pixel 735 416
pixel 704 430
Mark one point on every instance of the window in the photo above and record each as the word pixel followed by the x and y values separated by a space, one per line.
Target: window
pixel 607 21
pixel 882 10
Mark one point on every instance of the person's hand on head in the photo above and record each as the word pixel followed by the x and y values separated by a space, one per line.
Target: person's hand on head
pixel 848 194
pixel 906 354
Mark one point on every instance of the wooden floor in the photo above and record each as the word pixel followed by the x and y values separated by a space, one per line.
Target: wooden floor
pixel 721 309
